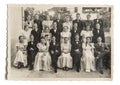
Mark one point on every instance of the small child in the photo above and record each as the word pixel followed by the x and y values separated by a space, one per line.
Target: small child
pixel 21 57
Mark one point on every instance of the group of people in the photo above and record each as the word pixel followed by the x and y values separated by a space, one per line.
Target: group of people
pixel 51 44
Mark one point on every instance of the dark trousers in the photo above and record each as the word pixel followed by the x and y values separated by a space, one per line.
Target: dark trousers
pixel 54 61
pixel 99 61
pixel 99 64
pixel 30 59
pixel 77 61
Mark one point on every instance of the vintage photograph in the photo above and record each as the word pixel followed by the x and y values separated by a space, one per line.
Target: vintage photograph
pixel 59 42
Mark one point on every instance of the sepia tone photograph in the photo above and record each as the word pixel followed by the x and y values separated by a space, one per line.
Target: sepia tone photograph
pixel 59 42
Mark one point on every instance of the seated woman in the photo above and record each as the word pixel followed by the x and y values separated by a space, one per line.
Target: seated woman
pixel 88 55
pixel 65 33
pixel 65 60
pixel 42 59
pixel 21 57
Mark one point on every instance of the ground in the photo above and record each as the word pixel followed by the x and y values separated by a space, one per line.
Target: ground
pixel 24 73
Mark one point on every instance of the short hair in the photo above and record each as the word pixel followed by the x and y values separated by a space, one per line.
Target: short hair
pixel 20 37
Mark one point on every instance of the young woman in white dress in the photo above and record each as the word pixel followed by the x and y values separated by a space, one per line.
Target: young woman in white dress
pixel 65 60
pixel 47 22
pixel 88 55
pixel 68 23
pixel 65 33
pixel 42 59
pixel 21 57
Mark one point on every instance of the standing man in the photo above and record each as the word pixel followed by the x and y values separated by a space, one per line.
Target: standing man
pixel 88 22
pixel 38 22
pixel 59 23
pixel 98 32
pixel 36 33
pixel 79 22
pixel 99 21
pixel 55 32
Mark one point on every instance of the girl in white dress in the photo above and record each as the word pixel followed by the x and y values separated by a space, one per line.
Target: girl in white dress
pixel 42 59
pixel 65 33
pixel 21 57
pixel 88 55
pixel 65 60
pixel 47 22
pixel 68 23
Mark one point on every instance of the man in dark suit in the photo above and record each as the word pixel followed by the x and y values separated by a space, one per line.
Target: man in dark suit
pixel 38 22
pixel 36 33
pixel 77 53
pixel 31 52
pixel 54 50
pixel 100 51
pixel 74 31
pixel 99 21
pixel 59 23
pixel 88 22
pixel 79 22
pixel 98 32
pixel 55 32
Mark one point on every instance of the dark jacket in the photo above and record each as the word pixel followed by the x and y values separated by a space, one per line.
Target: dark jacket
pixel 75 46
pixel 39 24
pixel 88 22
pixel 99 21
pixel 55 48
pixel 80 24
pixel 59 25
pixel 96 35
pixel 36 35
pixel 73 33
pixel 56 34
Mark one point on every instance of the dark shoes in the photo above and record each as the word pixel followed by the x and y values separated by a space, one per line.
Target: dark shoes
pixel 78 70
pixel 101 72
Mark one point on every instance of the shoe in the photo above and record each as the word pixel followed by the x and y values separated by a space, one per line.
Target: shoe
pixel 101 72
pixel 63 68
pixel 67 69
pixel 78 70
pixel 55 71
